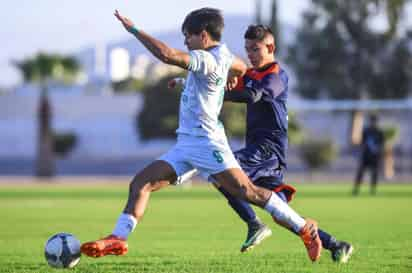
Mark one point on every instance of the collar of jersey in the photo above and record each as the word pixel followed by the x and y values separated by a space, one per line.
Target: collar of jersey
pixel 259 75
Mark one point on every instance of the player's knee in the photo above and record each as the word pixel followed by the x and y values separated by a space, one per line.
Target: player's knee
pixel 138 187
pixel 249 193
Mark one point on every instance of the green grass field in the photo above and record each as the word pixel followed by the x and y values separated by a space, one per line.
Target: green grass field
pixel 193 230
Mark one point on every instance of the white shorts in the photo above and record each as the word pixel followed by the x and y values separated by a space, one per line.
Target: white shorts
pixel 207 156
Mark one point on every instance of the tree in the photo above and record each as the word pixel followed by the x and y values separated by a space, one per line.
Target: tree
pixel 273 21
pixel 317 153
pixel 233 116
pixel 159 117
pixel 340 54
pixel 41 69
pixel 258 11
pixel 274 25
pixel 128 85
pixel 295 130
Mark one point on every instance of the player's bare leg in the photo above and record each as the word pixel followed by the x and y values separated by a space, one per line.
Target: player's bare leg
pixel 236 182
pixel 154 177
pixel 157 175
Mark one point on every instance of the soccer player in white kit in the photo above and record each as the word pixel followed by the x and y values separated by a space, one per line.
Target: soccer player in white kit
pixel 201 140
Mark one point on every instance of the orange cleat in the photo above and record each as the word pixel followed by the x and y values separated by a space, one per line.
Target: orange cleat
pixel 110 245
pixel 310 237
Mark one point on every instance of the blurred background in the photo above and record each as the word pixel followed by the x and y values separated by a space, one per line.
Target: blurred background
pixel 80 97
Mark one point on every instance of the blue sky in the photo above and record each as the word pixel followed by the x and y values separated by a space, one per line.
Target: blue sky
pixel 64 26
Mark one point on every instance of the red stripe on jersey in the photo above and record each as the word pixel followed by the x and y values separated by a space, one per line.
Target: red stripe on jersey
pixel 259 75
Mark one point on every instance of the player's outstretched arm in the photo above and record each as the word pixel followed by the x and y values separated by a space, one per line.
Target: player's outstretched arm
pixel 159 49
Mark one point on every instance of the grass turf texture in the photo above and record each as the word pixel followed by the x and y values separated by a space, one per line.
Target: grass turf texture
pixel 193 230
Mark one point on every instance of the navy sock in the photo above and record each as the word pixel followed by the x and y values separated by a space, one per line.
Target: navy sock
pixel 242 208
pixel 328 241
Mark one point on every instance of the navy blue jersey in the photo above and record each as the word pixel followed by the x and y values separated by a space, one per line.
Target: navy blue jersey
pixel 265 93
pixel 372 144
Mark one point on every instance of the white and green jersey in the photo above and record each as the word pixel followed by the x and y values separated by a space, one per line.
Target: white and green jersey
pixel 202 97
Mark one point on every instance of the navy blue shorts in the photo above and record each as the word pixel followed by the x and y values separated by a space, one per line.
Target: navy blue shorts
pixel 264 170
pixel 259 164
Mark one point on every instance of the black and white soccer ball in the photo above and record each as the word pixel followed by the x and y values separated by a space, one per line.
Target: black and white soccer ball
pixel 62 250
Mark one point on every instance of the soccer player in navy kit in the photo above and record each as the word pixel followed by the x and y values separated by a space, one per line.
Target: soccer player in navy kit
pixel 264 88
pixel 371 154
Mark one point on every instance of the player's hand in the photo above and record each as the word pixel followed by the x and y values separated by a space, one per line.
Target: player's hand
pixel 231 82
pixel 126 22
pixel 174 82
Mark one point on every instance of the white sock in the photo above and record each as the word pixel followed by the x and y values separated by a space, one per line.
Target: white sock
pixel 125 225
pixel 282 212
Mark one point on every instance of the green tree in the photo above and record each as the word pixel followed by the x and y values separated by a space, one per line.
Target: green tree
pixel 41 69
pixel 295 130
pixel 317 153
pixel 128 85
pixel 339 53
pixel 159 116
pixel 233 116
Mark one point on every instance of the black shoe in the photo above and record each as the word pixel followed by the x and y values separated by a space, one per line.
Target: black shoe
pixel 255 235
pixel 342 252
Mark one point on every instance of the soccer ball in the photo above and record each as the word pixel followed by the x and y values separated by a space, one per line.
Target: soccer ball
pixel 62 250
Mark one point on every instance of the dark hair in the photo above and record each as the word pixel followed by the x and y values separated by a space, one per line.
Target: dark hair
pixel 208 19
pixel 257 32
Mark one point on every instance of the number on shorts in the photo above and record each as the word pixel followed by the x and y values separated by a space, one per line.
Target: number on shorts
pixel 218 156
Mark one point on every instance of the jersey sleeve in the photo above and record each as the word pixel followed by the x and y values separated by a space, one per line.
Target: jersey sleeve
pixel 269 87
pixel 202 62
pixel 272 85
pixel 238 96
